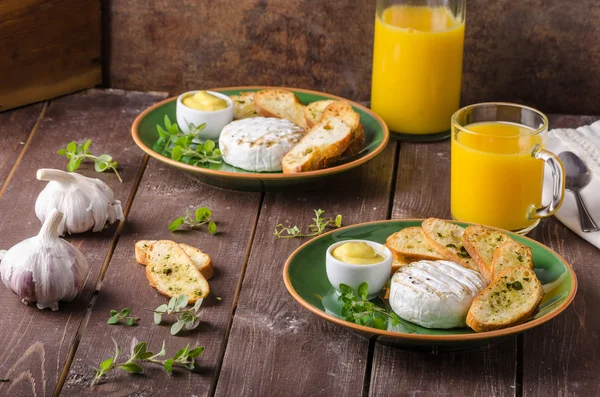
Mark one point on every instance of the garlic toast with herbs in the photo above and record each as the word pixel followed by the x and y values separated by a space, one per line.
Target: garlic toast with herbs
pixel 314 110
pixel 511 253
pixel 200 259
pixel 410 245
pixel 281 104
pixel 447 239
pixel 509 300
pixel 171 271
pixel 481 242
pixel 344 111
pixel 243 106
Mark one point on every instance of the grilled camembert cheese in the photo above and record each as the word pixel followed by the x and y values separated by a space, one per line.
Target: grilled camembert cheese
pixel 259 143
pixel 434 294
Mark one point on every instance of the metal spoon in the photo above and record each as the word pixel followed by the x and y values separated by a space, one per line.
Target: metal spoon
pixel 578 177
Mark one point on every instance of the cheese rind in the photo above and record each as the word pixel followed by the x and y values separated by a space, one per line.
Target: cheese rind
pixel 259 143
pixel 434 294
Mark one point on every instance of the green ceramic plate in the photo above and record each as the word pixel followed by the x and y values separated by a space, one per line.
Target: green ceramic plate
pixel 306 280
pixel 223 175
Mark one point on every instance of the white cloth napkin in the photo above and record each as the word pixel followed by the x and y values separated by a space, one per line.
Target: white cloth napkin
pixel 584 142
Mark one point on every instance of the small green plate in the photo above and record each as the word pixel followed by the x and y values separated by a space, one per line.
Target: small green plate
pixel 306 279
pixel 224 175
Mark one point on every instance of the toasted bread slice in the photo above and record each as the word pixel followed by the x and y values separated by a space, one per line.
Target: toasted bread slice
pixel 446 239
pixel 243 105
pixel 281 104
pixel 320 147
pixel 511 253
pixel 509 300
pixel 201 260
pixel 314 110
pixel 172 272
pixel 344 111
pixel 481 243
pixel 398 263
pixel 410 245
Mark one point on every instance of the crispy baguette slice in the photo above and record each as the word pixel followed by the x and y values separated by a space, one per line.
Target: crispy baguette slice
pixel 172 272
pixel 446 239
pixel 397 264
pixel 281 104
pixel 511 253
pixel 481 243
pixel 201 260
pixel 243 106
pixel 314 110
pixel 509 300
pixel 319 148
pixel 344 111
pixel 410 245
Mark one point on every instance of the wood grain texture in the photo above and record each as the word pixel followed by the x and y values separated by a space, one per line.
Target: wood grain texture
pixel 276 348
pixel 48 48
pixel 34 343
pixel 422 191
pixel 164 194
pixel 562 357
pixel 15 128
pixel 538 52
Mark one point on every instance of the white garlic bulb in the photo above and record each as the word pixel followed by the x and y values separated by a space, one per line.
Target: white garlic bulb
pixel 87 203
pixel 44 269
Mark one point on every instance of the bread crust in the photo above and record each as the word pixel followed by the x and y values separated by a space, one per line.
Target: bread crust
pixel 446 239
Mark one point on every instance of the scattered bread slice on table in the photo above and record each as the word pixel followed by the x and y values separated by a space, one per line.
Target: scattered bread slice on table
pixel 509 300
pixel 243 105
pixel 481 242
pixel 171 271
pixel 320 147
pixel 447 239
pixel 199 259
pixel 410 245
pixel 281 104
pixel 511 253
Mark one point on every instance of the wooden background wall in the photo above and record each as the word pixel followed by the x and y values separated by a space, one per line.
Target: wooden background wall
pixel 545 53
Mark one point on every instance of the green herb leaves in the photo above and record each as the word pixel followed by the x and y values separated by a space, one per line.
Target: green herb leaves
pixel 124 315
pixel 76 153
pixel 139 354
pixel 179 146
pixel 315 229
pixel 187 318
pixel 359 310
pixel 202 216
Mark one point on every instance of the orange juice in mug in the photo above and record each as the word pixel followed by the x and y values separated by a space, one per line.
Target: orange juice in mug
pixel 417 65
pixel 497 166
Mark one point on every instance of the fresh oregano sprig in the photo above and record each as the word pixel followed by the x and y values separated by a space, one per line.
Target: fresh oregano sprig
pixel 76 153
pixel 124 315
pixel 202 216
pixel 185 358
pixel 315 229
pixel 177 145
pixel 187 318
pixel 359 310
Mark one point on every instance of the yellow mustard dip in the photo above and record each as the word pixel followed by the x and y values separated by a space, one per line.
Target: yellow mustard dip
pixel 202 100
pixel 357 254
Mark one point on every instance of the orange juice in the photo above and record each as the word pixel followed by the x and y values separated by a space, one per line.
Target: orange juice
pixel 417 68
pixel 495 178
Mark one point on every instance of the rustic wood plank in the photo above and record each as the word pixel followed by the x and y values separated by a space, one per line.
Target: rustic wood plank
pixel 15 128
pixel 276 348
pixel 48 48
pixel 163 195
pixel 562 357
pixel 35 344
pixel 422 190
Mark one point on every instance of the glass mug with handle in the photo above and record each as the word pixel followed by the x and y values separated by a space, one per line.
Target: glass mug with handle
pixel 497 166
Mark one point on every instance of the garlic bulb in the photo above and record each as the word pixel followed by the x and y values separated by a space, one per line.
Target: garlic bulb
pixel 87 203
pixel 45 268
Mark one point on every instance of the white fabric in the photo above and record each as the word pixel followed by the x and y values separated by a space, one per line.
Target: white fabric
pixel 584 142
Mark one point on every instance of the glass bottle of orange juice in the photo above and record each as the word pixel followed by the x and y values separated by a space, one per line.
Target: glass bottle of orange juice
pixel 417 66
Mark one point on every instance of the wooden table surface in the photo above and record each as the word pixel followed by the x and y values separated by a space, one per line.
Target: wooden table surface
pixel 258 340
